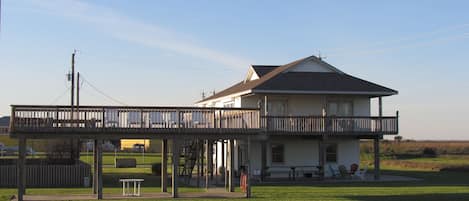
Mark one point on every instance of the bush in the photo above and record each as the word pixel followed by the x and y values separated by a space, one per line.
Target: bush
pixel 156 169
pixel 429 152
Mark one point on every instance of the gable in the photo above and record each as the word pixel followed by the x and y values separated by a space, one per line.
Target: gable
pixel 311 66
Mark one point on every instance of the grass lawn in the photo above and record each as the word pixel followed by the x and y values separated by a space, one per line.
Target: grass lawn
pixel 435 186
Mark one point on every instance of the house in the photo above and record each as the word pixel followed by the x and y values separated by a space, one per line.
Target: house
pixel 314 113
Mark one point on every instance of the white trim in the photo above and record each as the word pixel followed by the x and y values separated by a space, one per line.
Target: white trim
pixel 224 97
pixel 323 92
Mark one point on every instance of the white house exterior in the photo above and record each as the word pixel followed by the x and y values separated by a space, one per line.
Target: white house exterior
pixel 295 97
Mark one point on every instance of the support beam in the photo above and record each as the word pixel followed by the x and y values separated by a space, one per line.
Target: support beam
pixel 231 171
pixel 210 158
pixel 164 165
pixel 198 159
pixel 248 169
pixel 263 159
pixel 95 167
pixel 216 162
pixel 175 172
pixel 21 176
pixel 223 164
pixel 321 157
pixel 207 169
pixel 99 169
pixel 376 141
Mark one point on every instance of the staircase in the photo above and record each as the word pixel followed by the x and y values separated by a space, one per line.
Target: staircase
pixel 190 154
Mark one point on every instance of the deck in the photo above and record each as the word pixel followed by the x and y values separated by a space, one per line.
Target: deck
pixel 36 121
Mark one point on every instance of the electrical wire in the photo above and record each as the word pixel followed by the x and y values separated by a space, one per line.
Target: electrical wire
pixel 101 92
pixel 60 96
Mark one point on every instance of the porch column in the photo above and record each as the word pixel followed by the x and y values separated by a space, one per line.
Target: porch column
pixel 223 163
pixel 216 162
pixel 210 158
pixel 175 172
pixel 164 165
pixel 207 169
pixel 376 141
pixel 248 169
pixel 263 159
pixel 321 158
pixel 21 176
pixel 99 169
pixel 95 167
pixel 231 172
pixel 198 159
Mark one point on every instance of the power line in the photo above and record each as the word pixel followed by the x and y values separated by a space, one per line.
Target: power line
pixel 60 96
pixel 101 92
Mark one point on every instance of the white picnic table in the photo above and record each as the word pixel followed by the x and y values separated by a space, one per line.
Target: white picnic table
pixel 126 187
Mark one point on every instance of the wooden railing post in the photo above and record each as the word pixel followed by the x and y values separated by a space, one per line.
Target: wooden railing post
pixel 397 121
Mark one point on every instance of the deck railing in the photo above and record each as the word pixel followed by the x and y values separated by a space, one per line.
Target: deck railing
pixel 132 118
pixel 330 125
pixel 148 119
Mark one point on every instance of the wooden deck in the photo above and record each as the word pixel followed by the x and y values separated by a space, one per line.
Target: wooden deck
pixel 109 122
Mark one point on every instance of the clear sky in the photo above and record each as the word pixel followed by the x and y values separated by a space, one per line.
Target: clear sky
pixel 168 52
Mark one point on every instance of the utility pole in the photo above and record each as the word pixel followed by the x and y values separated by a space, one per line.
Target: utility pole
pixel 72 95
pixel 78 91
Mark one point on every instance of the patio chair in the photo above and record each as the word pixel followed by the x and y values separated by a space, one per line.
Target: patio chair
pixel 361 173
pixel 334 172
pixel 344 173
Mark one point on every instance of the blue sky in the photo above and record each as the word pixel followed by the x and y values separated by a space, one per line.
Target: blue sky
pixel 168 52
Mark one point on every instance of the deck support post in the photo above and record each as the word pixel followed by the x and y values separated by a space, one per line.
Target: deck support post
pixel 164 165
pixel 223 163
pixel 263 159
pixel 99 170
pixel 95 167
pixel 175 172
pixel 197 160
pixel 21 176
pixel 210 158
pixel 216 162
pixel 207 169
pixel 248 169
pixel 231 172
pixel 376 141
pixel 321 158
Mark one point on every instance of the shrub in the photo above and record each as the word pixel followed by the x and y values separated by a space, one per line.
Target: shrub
pixel 156 169
pixel 429 152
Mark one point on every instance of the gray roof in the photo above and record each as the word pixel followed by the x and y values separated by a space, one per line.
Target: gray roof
pixel 275 79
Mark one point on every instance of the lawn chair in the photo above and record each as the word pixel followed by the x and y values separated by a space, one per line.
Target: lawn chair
pixel 334 172
pixel 361 173
pixel 344 173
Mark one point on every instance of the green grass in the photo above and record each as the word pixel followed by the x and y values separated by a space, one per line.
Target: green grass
pixel 435 185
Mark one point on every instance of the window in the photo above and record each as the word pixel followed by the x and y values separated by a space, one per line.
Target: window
pixel 331 153
pixel 339 108
pixel 230 104
pixel 277 153
pixel 277 107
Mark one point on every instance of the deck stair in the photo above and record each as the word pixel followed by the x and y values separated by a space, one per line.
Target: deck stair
pixel 190 155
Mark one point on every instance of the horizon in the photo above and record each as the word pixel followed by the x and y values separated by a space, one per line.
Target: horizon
pixel 144 54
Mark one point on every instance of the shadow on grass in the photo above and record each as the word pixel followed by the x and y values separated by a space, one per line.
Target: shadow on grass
pixel 426 197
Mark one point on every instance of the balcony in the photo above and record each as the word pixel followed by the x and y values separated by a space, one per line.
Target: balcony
pixel 143 122
pixel 360 125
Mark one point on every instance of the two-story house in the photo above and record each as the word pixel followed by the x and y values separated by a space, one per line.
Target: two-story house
pixel 314 113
